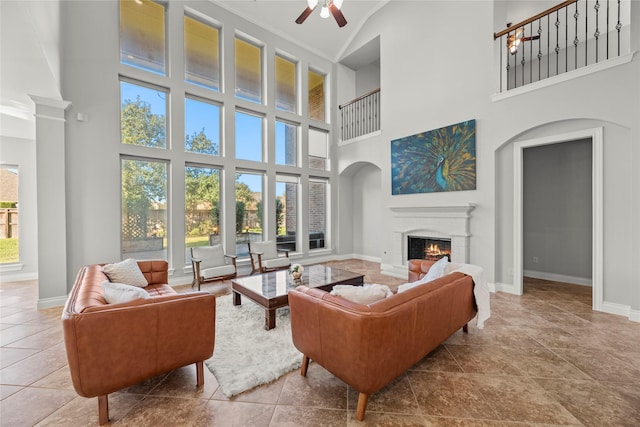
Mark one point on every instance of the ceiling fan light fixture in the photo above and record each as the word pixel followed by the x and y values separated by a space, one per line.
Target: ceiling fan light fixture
pixel 324 12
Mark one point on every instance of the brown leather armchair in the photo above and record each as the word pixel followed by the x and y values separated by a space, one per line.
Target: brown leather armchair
pixel 367 346
pixel 113 346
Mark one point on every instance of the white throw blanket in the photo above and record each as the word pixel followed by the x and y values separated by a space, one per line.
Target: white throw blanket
pixel 480 290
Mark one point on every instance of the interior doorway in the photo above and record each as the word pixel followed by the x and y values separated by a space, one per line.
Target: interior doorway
pixel 595 136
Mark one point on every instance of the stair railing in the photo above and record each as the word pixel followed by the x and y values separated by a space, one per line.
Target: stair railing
pixel 360 116
pixel 563 38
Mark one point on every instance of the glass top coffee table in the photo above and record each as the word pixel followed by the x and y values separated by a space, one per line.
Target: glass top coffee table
pixel 270 290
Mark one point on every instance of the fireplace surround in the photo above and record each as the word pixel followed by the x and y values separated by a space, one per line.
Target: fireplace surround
pixel 438 222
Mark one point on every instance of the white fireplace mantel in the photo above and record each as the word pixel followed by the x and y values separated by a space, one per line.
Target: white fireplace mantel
pixel 450 222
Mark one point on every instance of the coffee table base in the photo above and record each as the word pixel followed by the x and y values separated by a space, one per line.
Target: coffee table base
pixel 269 313
pixel 260 288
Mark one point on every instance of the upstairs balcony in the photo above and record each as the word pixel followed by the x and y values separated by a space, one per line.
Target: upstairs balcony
pixel 360 116
pixel 575 35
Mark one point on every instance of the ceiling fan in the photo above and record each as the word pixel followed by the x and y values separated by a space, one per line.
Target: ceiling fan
pixel 332 6
pixel 514 40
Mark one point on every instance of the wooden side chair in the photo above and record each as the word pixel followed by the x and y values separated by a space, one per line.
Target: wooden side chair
pixel 264 257
pixel 211 264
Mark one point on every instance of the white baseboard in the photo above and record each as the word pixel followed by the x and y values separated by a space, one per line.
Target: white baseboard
pixel 368 258
pixel 621 310
pixel 399 271
pixel 18 277
pixel 607 307
pixel 508 288
pixel 51 302
pixel 584 281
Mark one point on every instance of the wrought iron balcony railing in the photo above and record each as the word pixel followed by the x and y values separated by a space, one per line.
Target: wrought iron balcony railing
pixel 360 116
pixel 566 37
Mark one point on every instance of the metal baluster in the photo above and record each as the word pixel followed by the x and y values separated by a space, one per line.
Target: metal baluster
pixel 566 39
pixel 522 62
pixel 368 114
pixel 596 35
pixel 539 50
pixel 557 42
pixel 548 46
pixel 531 54
pixel 501 49
pixel 618 27
pixel 586 30
pixel 607 29
pixel 508 63
pixel 575 40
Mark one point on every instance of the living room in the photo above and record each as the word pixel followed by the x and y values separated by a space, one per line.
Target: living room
pixel 431 75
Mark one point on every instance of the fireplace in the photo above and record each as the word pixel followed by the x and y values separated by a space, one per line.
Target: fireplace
pixel 450 223
pixel 428 248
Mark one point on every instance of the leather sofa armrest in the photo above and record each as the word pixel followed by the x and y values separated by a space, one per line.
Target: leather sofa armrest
pixel 137 342
pixel 418 268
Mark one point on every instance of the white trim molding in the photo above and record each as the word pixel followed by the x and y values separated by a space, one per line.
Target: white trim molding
pixel 597 176
pixel 52 302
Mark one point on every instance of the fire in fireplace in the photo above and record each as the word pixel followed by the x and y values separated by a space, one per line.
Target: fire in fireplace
pixel 428 248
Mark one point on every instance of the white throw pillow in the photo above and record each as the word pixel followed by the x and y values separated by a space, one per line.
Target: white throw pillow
pixel 436 271
pixel 116 293
pixel 126 271
pixel 365 294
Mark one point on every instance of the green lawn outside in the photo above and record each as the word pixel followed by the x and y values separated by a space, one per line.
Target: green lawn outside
pixel 9 250
pixel 194 241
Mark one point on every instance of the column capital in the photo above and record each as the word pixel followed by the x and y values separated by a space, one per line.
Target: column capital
pixel 49 108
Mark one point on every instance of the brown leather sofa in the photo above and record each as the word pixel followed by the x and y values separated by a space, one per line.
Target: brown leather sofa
pixel 113 346
pixel 367 346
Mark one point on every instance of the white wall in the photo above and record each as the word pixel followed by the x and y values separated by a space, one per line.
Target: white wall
pixel 22 152
pixel 557 210
pixel 367 213
pixel 367 78
pixel 427 84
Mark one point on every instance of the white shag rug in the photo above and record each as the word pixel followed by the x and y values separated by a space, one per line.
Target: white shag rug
pixel 246 355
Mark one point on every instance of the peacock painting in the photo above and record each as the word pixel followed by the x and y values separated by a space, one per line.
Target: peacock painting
pixel 438 160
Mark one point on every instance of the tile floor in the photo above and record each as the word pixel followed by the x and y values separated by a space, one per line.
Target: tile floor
pixel 543 359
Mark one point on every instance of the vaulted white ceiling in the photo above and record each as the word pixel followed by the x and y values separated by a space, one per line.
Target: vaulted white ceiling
pixel 30 63
pixel 320 35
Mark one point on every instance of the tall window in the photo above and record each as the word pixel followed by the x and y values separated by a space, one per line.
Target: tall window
pixel 201 53
pixel 249 212
pixel 287 188
pixel 248 71
pixel 144 209
pixel 249 136
pixel 316 96
pixel 202 207
pixel 202 127
pixel 143 112
pixel 286 95
pixel 286 144
pixel 265 140
pixel 318 149
pixel 9 242
pixel 142 35
pixel 318 204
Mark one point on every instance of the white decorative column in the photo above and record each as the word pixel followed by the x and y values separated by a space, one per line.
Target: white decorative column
pixel 52 214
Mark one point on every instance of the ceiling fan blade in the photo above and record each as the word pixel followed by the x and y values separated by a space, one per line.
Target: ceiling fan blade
pixel 304 15
pixel 340 19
